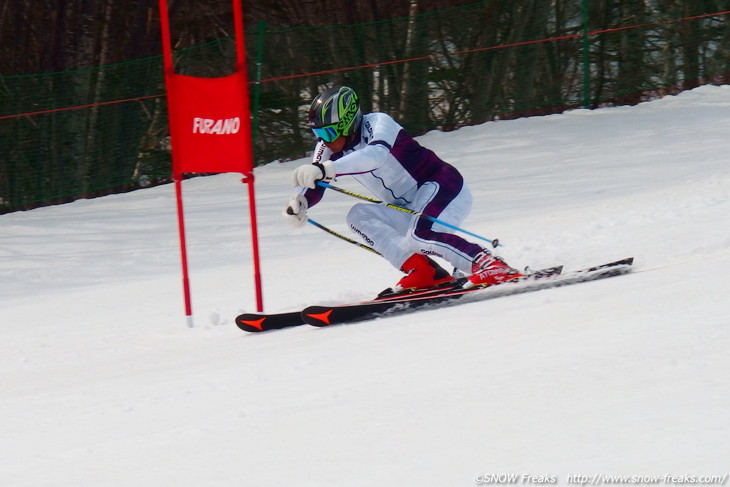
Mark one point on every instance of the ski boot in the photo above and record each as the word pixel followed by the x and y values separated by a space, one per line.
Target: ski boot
pixel 422 273
pixel 488 270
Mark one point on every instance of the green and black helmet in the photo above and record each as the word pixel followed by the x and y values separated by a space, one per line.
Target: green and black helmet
pixel 335 112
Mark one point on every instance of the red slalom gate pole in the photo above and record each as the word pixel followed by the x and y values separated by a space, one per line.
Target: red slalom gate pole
pixel 183 251
pixel 249 179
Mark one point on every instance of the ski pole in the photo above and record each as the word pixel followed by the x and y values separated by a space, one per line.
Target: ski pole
pixel 339 235
pixel 495 242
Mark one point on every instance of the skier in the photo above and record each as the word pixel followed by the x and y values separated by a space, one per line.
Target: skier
pixel 377 152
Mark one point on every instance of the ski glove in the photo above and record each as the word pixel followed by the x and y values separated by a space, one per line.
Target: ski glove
pixel 308 174
pixel 296 212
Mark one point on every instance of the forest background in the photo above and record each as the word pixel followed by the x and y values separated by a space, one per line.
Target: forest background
pixel 82 97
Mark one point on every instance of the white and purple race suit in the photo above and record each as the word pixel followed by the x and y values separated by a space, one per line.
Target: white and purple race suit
pixel 398 170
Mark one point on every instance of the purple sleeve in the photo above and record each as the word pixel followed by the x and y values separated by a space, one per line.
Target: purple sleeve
pixel 314 196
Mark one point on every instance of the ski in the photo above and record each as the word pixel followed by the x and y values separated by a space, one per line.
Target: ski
pixel 259 322
pixel 331 315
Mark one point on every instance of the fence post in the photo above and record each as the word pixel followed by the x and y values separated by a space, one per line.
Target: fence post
pixel 260 29
pixel 586 53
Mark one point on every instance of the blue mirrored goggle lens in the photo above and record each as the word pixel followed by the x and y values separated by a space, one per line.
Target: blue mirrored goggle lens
pixel 328 134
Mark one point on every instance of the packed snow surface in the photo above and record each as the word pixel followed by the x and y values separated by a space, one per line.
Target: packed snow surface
pixel 104 384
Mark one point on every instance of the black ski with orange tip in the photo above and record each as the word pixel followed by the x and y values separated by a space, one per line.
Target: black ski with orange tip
pixel 331 315
pixel 257 322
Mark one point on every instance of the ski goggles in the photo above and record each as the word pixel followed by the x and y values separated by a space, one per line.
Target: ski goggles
pixel 328 133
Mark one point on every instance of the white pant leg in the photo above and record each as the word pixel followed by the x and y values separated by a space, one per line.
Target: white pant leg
pixel 394 233
pixel 442 241
pixel 385 229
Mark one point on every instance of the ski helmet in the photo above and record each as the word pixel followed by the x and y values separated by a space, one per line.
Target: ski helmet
pixel 335 112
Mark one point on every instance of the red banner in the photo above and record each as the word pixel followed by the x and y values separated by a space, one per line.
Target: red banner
pixel 209 124
pixel 210 127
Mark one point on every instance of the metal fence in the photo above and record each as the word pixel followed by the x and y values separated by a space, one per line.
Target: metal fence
pixel 90 132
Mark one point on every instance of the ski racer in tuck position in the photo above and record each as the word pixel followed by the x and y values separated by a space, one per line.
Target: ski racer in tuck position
pixel 376 151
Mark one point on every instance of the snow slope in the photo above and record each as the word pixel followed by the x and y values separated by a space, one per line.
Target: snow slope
pixel 104 385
